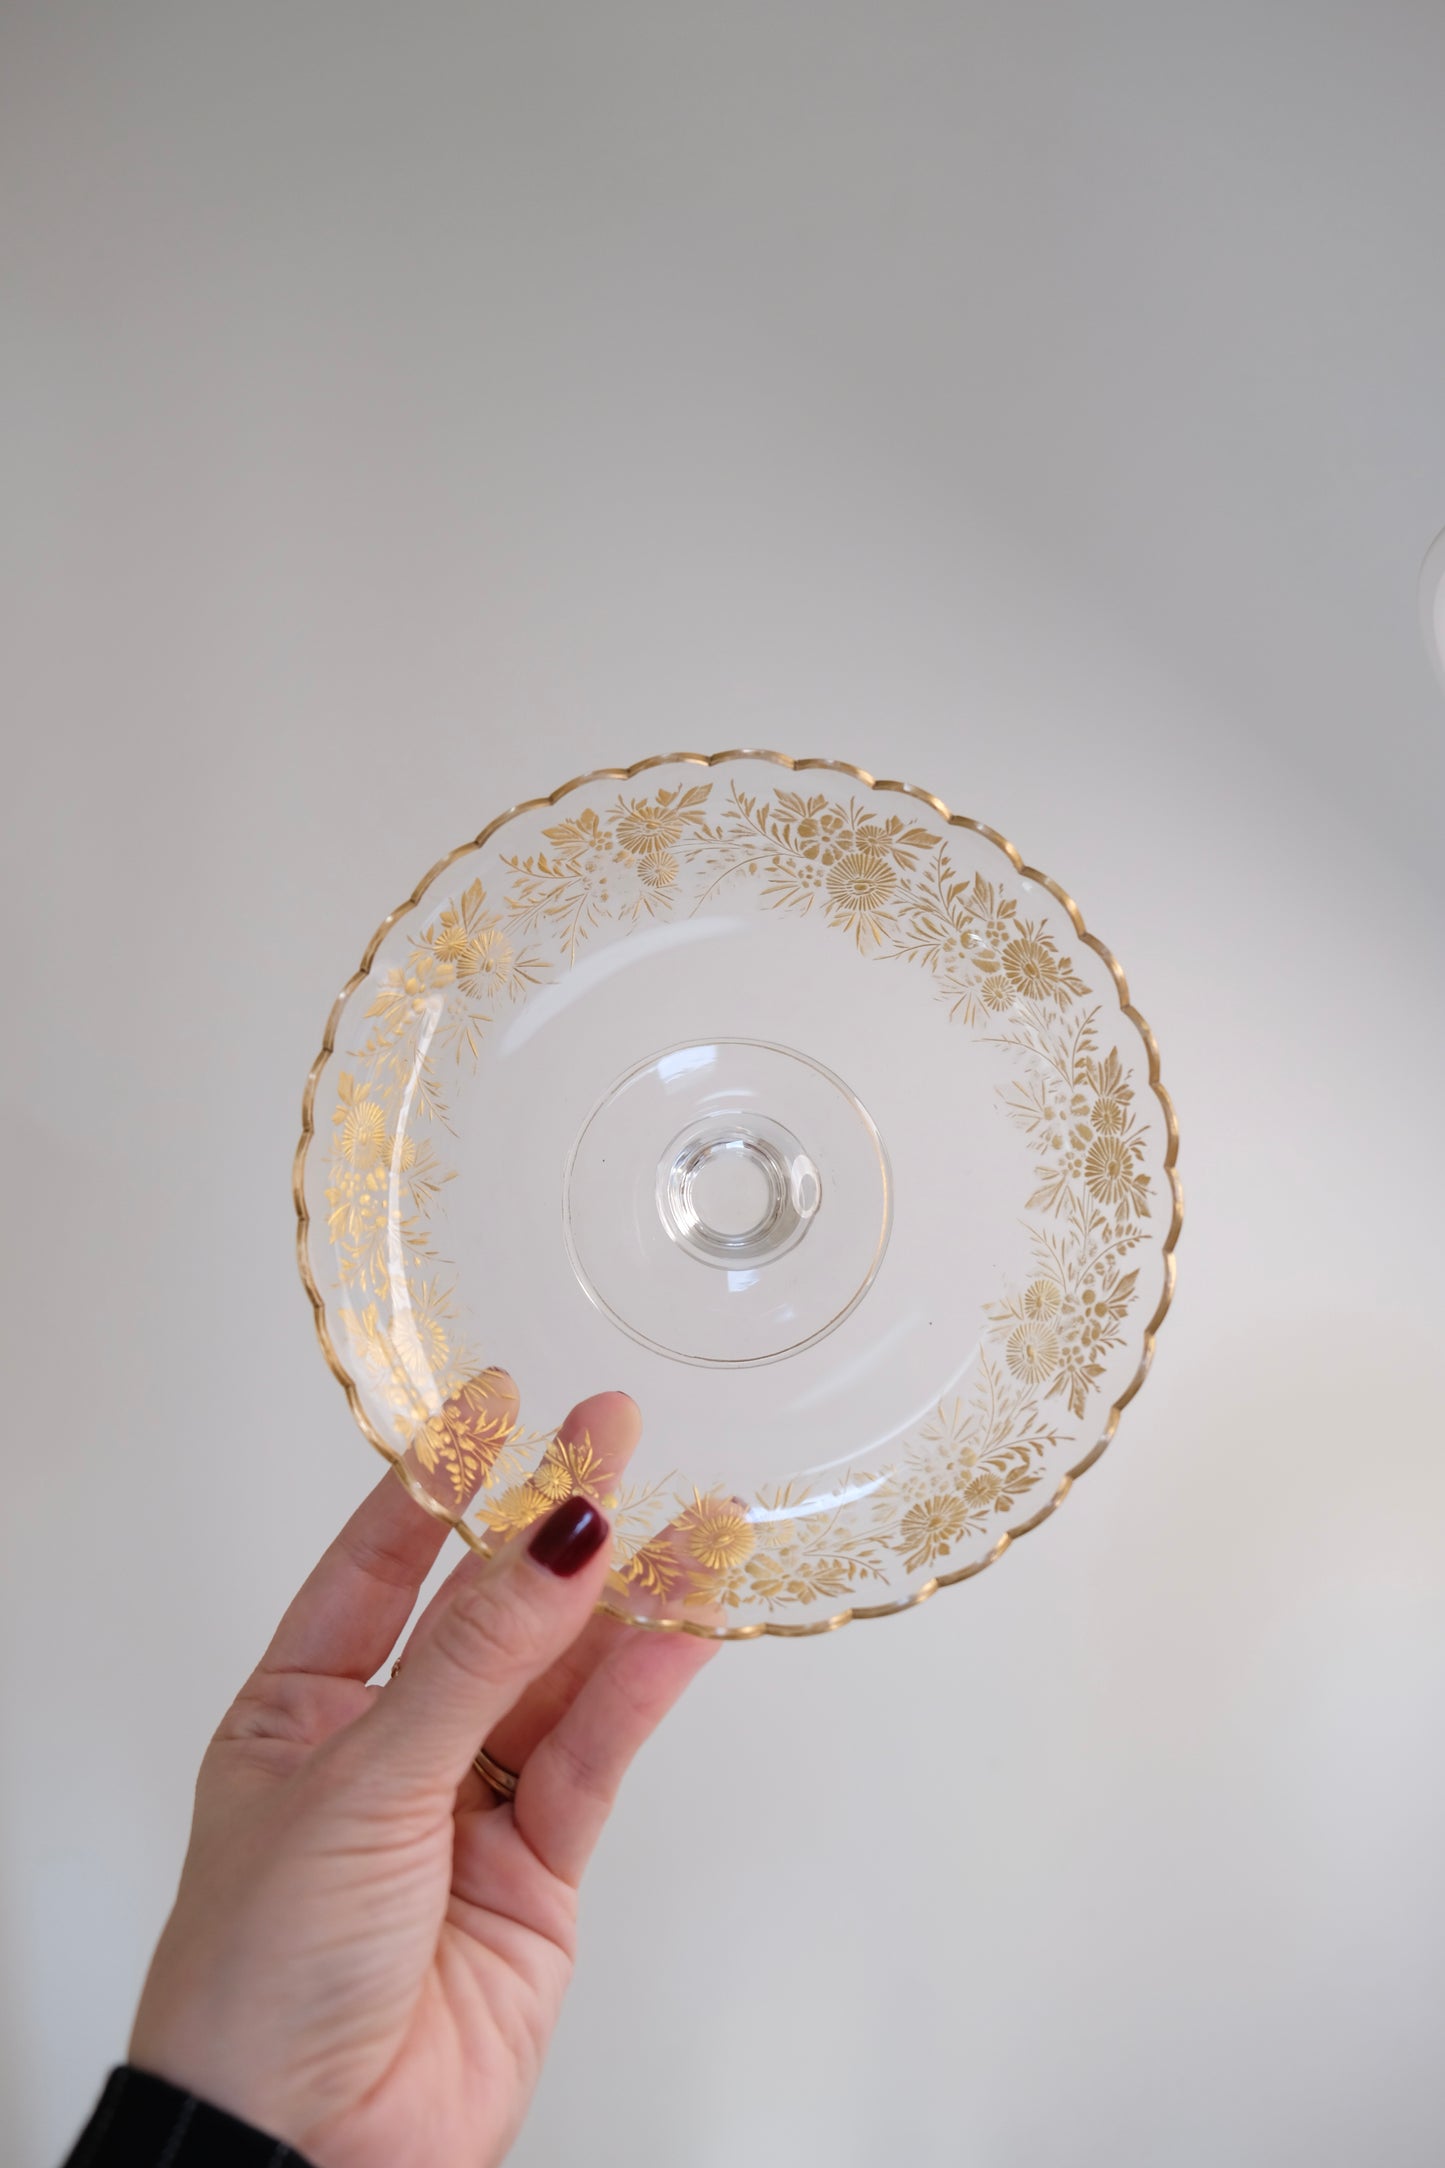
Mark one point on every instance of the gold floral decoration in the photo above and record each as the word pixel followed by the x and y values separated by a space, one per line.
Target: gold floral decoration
pixel 891 887
pixel 463 1439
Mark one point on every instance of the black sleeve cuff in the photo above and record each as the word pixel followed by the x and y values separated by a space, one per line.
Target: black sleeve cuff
pixel 142 2122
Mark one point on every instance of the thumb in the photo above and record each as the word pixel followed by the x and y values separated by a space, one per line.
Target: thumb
pixel 507 1619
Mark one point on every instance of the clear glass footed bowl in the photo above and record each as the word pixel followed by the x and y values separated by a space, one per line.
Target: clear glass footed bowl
pixel 789 1103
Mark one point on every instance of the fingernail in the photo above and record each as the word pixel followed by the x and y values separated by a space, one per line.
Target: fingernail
pixel 571 1534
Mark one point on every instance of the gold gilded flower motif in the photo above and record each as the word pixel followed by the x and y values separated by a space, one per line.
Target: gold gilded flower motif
pixel 1107 1116
pixel 485 963
pixel 930 1528
pixel 450 941
pixel 510 1511
pixel 660 823
pixel 649 827
pixel 1032 967
pixel 717 1532
pixel 1032 1352
pixel 862 880
pixel 982 1490
pixel 995 991
pixel 1109 1170
pixel 811 837
pixel 363 1132
pixel 657 869
pixel 859 886
pixel 1042 1298
pixel 566 1469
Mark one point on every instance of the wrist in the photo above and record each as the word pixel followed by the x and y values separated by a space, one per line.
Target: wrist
pixel 205 2071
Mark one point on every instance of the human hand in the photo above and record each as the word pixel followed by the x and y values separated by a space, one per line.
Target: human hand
pixel 368 1949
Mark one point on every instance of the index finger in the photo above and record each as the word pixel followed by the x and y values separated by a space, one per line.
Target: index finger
pixel 348 1613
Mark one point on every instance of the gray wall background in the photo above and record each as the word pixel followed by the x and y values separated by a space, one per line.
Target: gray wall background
pixel 407 408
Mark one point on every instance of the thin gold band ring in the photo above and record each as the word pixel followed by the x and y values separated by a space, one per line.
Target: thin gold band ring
pixel 503 1781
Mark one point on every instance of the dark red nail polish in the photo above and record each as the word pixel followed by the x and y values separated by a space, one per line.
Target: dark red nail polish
pixel 571 1534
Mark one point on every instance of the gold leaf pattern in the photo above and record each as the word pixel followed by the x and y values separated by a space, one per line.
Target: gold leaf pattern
pixel 462 1440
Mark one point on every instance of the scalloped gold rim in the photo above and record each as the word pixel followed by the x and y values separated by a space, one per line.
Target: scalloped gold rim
pixel 1006 1541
